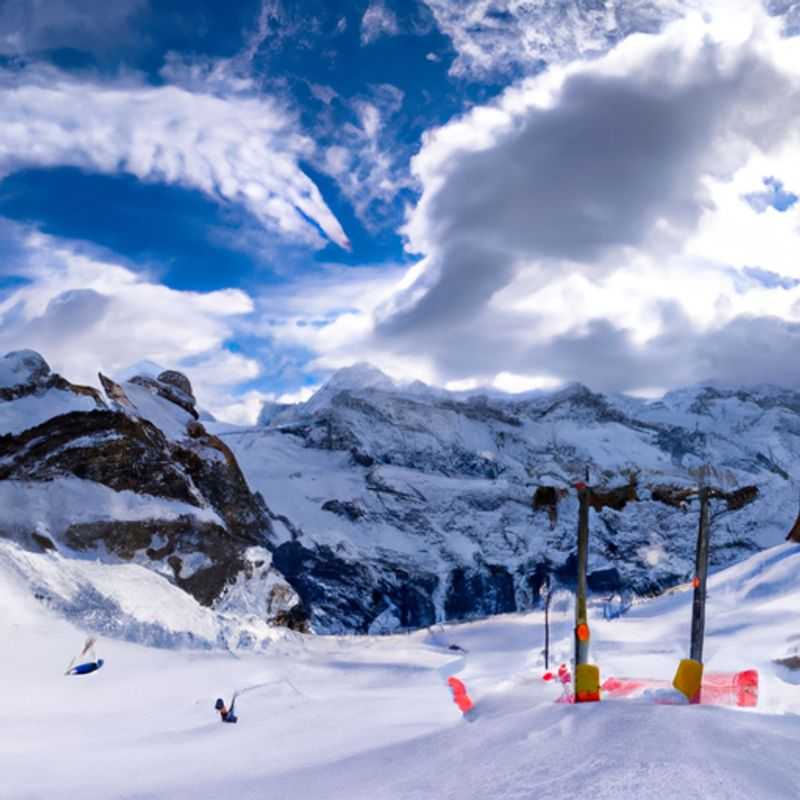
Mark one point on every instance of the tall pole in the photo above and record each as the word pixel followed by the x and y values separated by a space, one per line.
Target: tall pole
pixel 581 619
pixel 547 622
pixel 700 579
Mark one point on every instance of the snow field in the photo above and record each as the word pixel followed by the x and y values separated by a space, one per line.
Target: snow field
pixel 344 718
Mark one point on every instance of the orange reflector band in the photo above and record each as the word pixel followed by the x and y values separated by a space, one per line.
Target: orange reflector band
pixel 696 582
pixel 582 632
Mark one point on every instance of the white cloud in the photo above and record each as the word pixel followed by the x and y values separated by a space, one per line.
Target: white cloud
pixel 502 35
pixel 236 149
pixel 337 160
pixel 514 384
pixel 85 313
pixel 331 315
pixel 378 20
pixel 368 162
pixel 570 230
pixel 591 225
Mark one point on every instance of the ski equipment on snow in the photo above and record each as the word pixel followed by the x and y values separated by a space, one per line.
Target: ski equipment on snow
pixel 85 667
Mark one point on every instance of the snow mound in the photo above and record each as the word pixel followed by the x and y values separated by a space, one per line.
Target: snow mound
pixel 131 602
pixel 27 412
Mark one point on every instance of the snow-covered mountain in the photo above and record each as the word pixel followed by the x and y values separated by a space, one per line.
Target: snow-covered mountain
pixel 373 506
pixel 403 505
pixel 134 481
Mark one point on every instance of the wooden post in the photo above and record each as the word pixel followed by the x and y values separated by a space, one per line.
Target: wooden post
pixel 581 620
pixel 547 622
pixel 700 579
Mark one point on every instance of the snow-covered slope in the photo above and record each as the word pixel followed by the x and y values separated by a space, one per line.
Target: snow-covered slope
pixel 134 481
pixel 403 506
pixel 385 506
pixel 346 718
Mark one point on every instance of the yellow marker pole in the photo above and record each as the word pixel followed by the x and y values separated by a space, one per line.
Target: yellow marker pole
pixel 587 676
pixel 689 677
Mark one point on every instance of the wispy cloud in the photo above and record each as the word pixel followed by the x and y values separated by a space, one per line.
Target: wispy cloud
pixel 378 20
pixel 29 27
pixel 366 159
pixel 496 36
pixel 239 149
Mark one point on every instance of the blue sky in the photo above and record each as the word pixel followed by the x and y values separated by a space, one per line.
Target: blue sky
pixel 277 188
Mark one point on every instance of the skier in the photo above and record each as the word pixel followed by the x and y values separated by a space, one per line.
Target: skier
pixel 92 665
pixel 225 714
pixel 85 669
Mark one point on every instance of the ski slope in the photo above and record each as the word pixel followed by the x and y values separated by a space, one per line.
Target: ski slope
pixel 343 718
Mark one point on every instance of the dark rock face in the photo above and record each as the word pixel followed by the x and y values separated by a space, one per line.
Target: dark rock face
pixel 547 498
pixel 107 447
pixel 346 508
pixel 116 448
pixel 171 390
pixel 336 590
pixel 129 454
pixel 605 580
pixel 124 539
pixel 363 459
pixel 480 593
pixel 178 381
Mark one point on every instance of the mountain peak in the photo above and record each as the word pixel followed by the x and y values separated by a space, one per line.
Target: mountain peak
pixel 22 367
pixel 360 376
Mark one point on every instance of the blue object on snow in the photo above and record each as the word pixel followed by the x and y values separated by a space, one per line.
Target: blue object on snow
pixel 85 669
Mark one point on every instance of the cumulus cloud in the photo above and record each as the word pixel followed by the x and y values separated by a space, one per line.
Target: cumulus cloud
pixel 85 312
pixel 241 149
pixel 789 11
pixel 378 20
pixel 592 223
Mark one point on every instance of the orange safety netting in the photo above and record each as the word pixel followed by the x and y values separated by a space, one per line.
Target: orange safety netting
pixel 460 696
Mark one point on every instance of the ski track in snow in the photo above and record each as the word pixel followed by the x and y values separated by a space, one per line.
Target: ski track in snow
pixel 343 718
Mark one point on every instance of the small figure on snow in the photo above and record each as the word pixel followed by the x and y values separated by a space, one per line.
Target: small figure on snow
pixel 85 667
pixel 225 714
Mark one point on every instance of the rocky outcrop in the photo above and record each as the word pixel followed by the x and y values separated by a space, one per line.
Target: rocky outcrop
pixel 194 517
pixel 344 508
pixel 25 373
pixel 172 386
